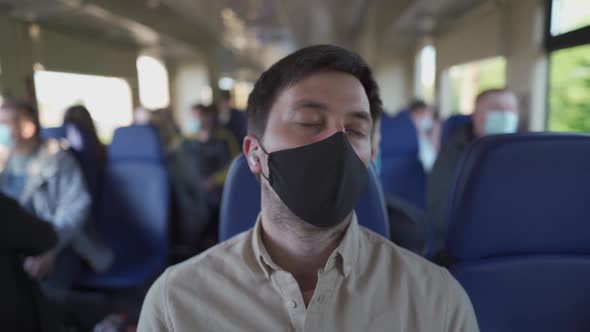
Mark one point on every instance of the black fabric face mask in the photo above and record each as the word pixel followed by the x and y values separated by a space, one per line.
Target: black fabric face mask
pixel 321 182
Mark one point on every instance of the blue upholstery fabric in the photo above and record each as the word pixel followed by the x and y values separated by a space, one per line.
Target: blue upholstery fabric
pixel 520 194
pixel 402 174
pixel 137 143
pixel 133 210
pixel 53 132
pixel 451 124
pixel 531 293
pixel 240 203
pixel 519 231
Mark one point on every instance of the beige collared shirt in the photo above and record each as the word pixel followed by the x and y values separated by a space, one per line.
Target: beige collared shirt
pixel 368 284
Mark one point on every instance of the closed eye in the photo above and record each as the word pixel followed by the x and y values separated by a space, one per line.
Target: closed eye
pixel 356 132
pixel 309 125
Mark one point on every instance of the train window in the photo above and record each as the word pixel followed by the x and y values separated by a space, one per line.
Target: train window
pixel 569 15
pixel 108 99
pixel 425 71
pixel 226 83
pixel 241 92
pixel 468 80
pixel 569 83
pixel 568 43
pixel 154 91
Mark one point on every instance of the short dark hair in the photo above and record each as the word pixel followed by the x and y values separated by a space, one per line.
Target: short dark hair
pixel 488 92
pixel 23 108
pixel 417 104
pixel 298 66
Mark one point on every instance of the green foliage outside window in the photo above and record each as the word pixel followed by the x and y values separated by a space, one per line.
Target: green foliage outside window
pixel 569 90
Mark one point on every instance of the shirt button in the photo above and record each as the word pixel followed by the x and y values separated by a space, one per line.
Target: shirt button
pixel 347 269
pixel 292 304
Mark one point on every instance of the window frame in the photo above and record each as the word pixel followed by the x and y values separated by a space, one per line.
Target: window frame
pixel 569 39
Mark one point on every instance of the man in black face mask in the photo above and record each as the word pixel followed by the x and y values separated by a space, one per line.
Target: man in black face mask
pixel 307 265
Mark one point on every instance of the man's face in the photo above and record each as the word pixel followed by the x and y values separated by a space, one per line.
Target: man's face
pixel 424 112
pixel 494 102
pixel 423 119
pixel 310 111
pixel 142 116
pixel 316 108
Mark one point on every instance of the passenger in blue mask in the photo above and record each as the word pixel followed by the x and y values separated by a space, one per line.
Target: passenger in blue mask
pixel 47 181
pixel 230 118
pixel 214 146
pixel 307 265
pixel 427 132
pixel 496 112
pixel 210 150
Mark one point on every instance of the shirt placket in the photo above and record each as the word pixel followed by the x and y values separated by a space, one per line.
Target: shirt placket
pixel 322 298
pixel 292 298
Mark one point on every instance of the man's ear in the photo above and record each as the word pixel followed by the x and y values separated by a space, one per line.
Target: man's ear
pixel 253 154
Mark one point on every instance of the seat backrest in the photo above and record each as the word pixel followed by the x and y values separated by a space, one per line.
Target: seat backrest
pixel 134 209
pixel 518 231
pixel 402 174
pixel 53 132
pixel 240 203
pixel 137 143
pixel 451 124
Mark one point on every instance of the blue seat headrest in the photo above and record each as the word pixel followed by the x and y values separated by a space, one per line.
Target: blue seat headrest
pixel 240 203
pixel 451 125
pixel 137 142
pixel 521 194
pixel 398 134
pixel 53 132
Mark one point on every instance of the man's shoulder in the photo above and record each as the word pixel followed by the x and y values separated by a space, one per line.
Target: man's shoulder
pixel 401 262
pixel 430 285
pixel 229 256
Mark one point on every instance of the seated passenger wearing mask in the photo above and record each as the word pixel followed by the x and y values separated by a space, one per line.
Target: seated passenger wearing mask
pixel 495 113
pixel 307 265
pixel 211 150
pixel 47 181
pixel 214 148
pixel 423 118
pixel 230 118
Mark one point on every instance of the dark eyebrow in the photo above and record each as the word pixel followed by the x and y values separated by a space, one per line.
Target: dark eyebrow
pixel 306 103
pixel 312 104
pixel 361 115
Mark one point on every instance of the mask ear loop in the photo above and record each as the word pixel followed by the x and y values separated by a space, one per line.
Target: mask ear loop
pixel 267 155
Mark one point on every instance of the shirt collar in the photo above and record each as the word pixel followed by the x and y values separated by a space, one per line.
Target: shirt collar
pixel 346 253
pixel 262 256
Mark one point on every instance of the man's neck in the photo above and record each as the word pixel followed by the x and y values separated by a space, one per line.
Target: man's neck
pixel 299 248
